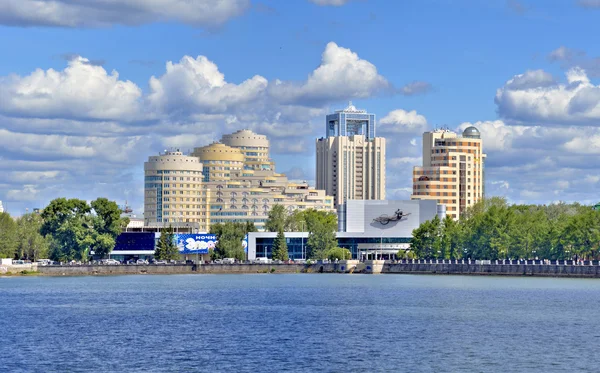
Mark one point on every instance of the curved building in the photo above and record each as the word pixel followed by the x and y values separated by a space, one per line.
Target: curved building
pixel 173 190
pixel 255 148
pixel 220 162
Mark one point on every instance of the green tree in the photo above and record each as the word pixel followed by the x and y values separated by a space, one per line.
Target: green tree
pixel 296 221
pixel 229 240
pixel 8 236
pixel 450 243
pixel 31 245
pixel 339 253
pixel 426 240
pixel 276 219
pixel 322 228
pixel 493 229
pixel 107 224
pixel 166 249
pixel 280 249
pixel 75 228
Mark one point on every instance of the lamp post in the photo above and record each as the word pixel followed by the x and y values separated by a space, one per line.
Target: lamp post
pixel 302 237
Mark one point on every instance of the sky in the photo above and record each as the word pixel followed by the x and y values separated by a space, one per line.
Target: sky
pixel 89 90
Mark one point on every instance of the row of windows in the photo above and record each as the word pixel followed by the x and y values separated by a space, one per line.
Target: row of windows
pixel 167 172
pixel 216 221
pixel 176 207
pixel 186 192
pixel 181 213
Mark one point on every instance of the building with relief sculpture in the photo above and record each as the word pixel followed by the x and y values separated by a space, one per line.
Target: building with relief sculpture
pixel 452 171
pixel 350 160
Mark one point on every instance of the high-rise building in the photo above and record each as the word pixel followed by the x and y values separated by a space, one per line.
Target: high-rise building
pixel 173 190
pixel 452 171
pixel 349 122
pixel 350 159
pixel 255 148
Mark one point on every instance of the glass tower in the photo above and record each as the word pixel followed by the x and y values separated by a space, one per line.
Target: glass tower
pixel 349 122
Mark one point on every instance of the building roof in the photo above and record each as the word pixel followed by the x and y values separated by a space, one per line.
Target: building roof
pixel 472 132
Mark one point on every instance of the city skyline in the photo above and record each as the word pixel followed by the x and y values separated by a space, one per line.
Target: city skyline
pixel 87 96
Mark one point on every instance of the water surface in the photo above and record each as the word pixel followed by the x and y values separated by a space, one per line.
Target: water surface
pixel 298 322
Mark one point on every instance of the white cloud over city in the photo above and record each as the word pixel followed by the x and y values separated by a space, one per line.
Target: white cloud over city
pixel 535 97
pixel 103 13
pixel 74 131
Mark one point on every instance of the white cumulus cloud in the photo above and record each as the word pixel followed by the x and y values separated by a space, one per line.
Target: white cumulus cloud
pixel 197 85
pixel 402 121
pixel 533 98
pixel 80 91
pixel 342 75
pixel 101 13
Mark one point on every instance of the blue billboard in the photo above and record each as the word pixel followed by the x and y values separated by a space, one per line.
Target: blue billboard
pixel 200 243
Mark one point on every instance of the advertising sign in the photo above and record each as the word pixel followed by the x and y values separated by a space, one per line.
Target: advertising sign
pixel 195 243
pixel 200 243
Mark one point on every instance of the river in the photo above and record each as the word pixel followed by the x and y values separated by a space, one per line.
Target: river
pixel 298 323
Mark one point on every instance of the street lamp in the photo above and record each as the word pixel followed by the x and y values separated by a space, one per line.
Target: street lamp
pixel 302 237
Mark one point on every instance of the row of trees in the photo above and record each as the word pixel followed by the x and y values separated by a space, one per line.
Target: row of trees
pixel 321 226
pixel 67 229
pixel 21 238
pixel 493 229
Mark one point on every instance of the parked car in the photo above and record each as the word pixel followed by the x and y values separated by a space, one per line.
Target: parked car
pixel 218 261
pixel 141 262
pixel 262 260
pixel 229 261
pixel 157 262
pixel 109 262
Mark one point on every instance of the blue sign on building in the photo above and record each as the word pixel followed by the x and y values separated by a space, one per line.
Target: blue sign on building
pixel 200 243
pixel 195 243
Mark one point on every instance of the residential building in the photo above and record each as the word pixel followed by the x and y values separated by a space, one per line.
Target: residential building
pixel 219 161
pixel 350 159
pixel 243 189
pixel 351 167
pixel 220 183
pixel 452 171
pixel 253 146
pixel 173 192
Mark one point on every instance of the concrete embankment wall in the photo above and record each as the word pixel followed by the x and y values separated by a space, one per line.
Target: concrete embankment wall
pixel 552 270
pixel 18 268
pixel 102 270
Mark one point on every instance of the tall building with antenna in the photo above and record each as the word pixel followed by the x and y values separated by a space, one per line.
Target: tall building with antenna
pixel 351 159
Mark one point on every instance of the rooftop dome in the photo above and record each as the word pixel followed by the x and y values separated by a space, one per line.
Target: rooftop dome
pixel 471 132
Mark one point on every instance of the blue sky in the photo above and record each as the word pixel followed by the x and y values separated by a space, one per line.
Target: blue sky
pixel 525 72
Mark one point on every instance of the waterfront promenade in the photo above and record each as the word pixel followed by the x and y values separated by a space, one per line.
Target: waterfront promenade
pixel 542 268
